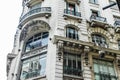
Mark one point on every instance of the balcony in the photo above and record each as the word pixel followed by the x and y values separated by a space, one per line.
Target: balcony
pixel 97 21
pixel 72 14
pixel 117 26
pixel 72 73
pixel 43 11
pixel 106 76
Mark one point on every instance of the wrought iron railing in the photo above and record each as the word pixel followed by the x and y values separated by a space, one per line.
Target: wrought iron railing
pixel 70 12
pixel 98 18
pixel 117 23
pixel 33 74
pixel 37 10
pixel 106 76
pixel 72 71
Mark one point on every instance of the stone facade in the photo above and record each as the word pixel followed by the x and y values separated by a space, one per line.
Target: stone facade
pixel 66 40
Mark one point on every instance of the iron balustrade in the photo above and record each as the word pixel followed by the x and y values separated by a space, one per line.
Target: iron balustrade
pixel 70 12
pixel 98 18
pixel 72 71
pixel 37 10
pixel 32 74
pixel 106 76
pixel 117 23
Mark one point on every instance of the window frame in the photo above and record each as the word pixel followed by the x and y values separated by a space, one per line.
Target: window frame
pixel 104 73
pixel 32 69
pixel 74 35
pixel 69 59
pixel 99 40
pixel 34 40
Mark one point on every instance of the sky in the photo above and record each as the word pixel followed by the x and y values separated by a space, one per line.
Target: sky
pixel 10 11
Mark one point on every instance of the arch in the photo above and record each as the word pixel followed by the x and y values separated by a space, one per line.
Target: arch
pixel 72 31
pixel 100 31
pixel 34 27
pixel 72 26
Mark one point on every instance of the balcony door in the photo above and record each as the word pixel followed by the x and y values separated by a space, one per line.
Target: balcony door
pixel 71 8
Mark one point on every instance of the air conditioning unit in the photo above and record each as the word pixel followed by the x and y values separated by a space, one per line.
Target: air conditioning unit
pixel 103 45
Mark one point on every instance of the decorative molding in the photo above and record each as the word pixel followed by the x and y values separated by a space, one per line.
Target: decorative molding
pixel 34 26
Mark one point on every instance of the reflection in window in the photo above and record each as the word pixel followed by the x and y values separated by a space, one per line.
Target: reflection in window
pixel 33 67
pixel 99 40
pixel 37 40
pixel 72 33
pixel 104 70
pixel 72 64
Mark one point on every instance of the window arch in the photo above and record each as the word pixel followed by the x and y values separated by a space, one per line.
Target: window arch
pixel 38 40
pixel 99 40
pixel 71 33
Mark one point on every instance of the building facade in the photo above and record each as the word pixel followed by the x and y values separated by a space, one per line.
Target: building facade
pixel 66 40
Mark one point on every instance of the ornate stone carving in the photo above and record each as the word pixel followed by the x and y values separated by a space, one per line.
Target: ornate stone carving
pixel 34 26
pixel 60 49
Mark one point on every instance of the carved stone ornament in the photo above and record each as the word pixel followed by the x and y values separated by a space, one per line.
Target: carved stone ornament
pixel 34 26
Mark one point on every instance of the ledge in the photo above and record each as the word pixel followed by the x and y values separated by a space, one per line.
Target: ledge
pixel 90 44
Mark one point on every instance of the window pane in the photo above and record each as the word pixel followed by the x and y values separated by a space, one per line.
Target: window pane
pixel 42 66
pixel 96 69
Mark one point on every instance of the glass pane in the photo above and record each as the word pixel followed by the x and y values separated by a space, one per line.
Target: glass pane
pixel 42 66
pixel 111 71
pixel 25 70
pixel 96 69
pixel 97 77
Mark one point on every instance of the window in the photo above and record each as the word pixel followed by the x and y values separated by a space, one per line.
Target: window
pixel 38 5
pixel 72 64
pixel 99 40
pixel 94 1
pixel 33 67
pixel 38 40
pixel 95 13
pixel 119 44
pixel 71 8
pixel 72 33
pixel 104 70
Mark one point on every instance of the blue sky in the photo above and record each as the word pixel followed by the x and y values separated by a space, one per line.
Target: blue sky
pixel 10 11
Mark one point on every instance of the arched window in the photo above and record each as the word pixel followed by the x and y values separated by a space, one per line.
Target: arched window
pixel 99 40
pixel 38 40
pixel 72 33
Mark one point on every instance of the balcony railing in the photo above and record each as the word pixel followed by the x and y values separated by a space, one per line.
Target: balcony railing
pixel 98 18
pixel 72 71
pixel 73 13
pixel 117 23
pixel 106 76
pixel 35 11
